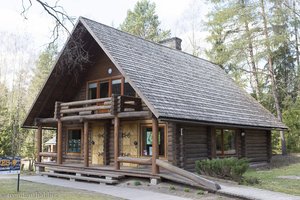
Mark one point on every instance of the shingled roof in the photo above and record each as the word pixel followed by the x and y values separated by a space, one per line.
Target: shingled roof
pixel 177 85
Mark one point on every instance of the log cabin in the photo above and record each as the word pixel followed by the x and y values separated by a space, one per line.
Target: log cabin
pixel 136 105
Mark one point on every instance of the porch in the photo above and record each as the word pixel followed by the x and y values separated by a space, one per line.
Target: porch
pixel 112 109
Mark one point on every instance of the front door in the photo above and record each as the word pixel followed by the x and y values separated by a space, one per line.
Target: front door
pixel 98 132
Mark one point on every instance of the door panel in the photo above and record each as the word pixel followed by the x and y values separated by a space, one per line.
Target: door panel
pixel 98 132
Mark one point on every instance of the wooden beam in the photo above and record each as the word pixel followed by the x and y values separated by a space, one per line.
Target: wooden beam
pixel 213 142
pixel 269 145
pixel 134 114
pixel 91 101
pixel 38 143
pixel 48 154
pixel 210 185
pixel 141 161
pixel 155 151
pixel 47 120
pixel 116 142
pixel 90 108
pixel 87 117
pixel 59 142
pixel 86 143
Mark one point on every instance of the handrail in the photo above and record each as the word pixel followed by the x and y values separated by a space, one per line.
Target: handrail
pixel 208 184
pixel 48 154
pixel 90 101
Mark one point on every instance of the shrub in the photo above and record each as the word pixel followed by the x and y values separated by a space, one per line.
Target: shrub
pixel 200 192
pixel 250 180
pixel 172 188
pixel 137 183
pixel 227 168
pixel 186 190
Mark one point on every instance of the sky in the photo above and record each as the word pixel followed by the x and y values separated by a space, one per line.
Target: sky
pixel 36 25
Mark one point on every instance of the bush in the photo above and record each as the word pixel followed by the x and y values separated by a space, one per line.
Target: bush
pixel 250 181
pixel 227 168
pixel 137 183
pixel 186 190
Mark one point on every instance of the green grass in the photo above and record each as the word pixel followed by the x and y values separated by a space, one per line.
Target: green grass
pixel 29 191
pixel 269 179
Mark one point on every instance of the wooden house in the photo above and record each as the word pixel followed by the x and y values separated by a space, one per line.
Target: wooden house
pixel 137 103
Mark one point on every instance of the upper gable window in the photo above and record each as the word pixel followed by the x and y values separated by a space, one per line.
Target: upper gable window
pixel 116 86
pixel 128 90
pixel 104 88
pixel 92 91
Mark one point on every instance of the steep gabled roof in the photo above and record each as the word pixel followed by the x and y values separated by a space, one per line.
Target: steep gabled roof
pixel 177 85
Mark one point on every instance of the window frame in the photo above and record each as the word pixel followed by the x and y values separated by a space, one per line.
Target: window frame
pixel 222 154
pixel 165 140
pixel 67 141
pixel 109 80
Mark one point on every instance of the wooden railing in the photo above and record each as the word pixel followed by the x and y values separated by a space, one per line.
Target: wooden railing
pixel 97 108
pixel 85 107
pixel 103 108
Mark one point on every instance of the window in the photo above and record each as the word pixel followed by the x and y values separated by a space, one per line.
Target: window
pixel 128 90
pixel 104 89
pixel 146 142
pixel 92 91
pixel 116 86
pixel 74 141
pixel 225 142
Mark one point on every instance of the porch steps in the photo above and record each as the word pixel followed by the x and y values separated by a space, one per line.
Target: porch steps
pixel 87 172
pixel 79 178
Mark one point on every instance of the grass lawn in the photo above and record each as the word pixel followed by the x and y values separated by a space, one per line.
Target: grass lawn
pixel 269 179
pixel 29 191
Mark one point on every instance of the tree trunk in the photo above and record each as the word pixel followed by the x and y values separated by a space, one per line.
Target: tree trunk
pixel 251 56
pixel 272 76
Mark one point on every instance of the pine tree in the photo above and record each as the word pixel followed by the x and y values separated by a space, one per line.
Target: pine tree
pixel 143 22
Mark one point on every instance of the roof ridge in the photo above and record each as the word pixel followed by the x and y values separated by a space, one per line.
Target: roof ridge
pixel 155 43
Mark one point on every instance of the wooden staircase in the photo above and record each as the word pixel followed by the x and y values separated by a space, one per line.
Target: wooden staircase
pixel 83 175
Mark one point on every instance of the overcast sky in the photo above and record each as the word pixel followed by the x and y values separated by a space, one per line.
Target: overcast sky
pixel 109 12
pixel 36 29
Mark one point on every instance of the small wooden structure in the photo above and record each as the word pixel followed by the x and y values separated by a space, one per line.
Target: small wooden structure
pixel 142 109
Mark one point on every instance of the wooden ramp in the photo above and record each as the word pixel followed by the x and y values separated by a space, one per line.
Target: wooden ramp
pixel 109 175
pixel 186 177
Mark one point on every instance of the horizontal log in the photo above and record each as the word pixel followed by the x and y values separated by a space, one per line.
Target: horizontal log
pixel 48 154
pixel 90 101
pixel 46 120
pixel 210 185
pixel 87 117
pixel 90 108
pixel 141 161
pixel 134 114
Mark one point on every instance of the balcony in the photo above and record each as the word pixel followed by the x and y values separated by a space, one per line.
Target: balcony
pixel 102 108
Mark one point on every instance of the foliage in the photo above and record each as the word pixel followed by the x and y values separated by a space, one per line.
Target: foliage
pixel 257 43
pixel 143 22
pixel 137 183
pixel 172 187
pixel 200 192
pixel 291 117
pixel 268 179
pixel 186 189
pixel 227 168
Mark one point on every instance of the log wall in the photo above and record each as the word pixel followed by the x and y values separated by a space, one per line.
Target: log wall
pixel 193 145
pixel 96 72
pixel 256 145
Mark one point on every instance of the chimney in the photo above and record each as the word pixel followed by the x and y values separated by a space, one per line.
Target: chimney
pixel 173 42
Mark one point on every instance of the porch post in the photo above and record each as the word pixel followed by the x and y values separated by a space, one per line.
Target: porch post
pixel 155 151
pixel 38 137
pixel 59 142
pixel 116 142
pixel 86 143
